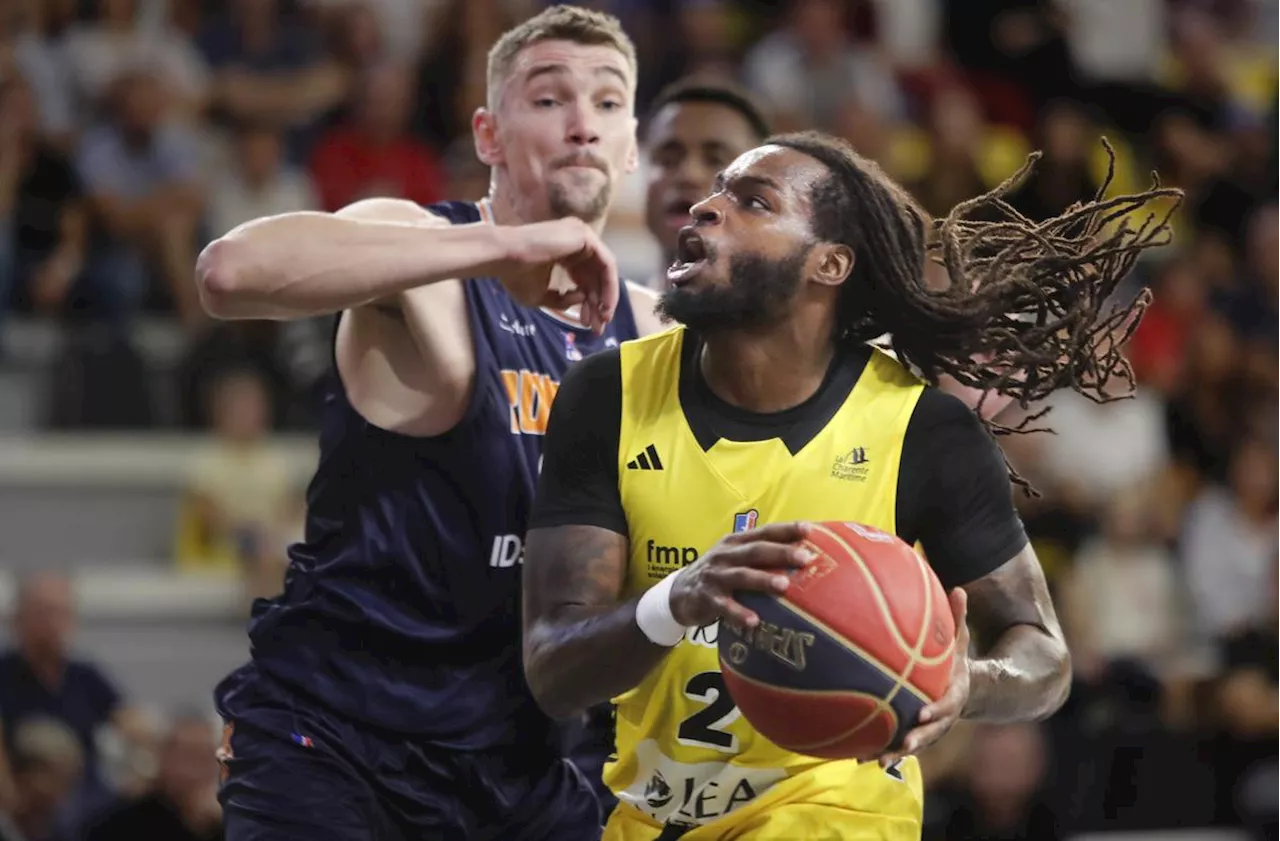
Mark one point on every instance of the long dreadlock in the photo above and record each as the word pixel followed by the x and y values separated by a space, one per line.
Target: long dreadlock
pixel 1023 312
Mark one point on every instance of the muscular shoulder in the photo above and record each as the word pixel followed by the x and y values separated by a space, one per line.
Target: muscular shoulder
pixel 954 494
pixel 392 210
pixel 578 484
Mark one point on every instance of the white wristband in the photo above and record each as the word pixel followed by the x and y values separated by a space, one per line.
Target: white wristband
pixel 653 614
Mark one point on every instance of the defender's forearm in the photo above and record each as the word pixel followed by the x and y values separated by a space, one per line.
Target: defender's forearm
pixel 583 655
pixel 1025 676
pixel 302 264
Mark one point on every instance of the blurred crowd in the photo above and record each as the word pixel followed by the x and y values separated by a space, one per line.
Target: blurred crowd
pixel 134 131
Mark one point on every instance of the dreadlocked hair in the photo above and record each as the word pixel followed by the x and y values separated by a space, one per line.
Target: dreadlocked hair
pixel 1022 312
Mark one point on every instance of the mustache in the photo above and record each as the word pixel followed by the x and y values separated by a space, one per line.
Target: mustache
pixel 582 159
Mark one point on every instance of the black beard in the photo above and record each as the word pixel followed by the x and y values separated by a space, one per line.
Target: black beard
pixel 756 295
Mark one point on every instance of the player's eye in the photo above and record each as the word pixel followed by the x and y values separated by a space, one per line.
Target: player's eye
pixel 544 102
pixel 755 203
pixel 610 105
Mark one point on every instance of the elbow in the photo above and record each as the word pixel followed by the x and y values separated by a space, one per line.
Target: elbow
pixel 543 683
pixel 228 277
pixel 1061 684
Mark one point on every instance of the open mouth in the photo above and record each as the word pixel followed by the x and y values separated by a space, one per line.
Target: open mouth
pixel 691 254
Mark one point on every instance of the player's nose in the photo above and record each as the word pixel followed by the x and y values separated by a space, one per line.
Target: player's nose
pixel 706 212
pixel 583 128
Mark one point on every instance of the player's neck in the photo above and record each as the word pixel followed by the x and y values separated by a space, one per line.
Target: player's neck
pixel 497 209
pixel 766 372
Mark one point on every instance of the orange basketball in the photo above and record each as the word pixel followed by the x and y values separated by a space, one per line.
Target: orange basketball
pixel 841 664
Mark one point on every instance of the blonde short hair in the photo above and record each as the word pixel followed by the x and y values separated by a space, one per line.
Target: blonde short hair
pixel 557 23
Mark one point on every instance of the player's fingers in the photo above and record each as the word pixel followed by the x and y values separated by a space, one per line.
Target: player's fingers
pixel 921 737
pixel 770 555
pixel 959 608
pixel 596 271
pixel 734 612
pixel 743 578
pixel 610 288
pixel 789 532
pixel 948 706
pixel 563 300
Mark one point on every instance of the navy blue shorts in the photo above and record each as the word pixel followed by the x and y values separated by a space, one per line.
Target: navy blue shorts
pixel 294 772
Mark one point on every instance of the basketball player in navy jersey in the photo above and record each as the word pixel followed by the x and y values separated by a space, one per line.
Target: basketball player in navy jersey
pixel 385 696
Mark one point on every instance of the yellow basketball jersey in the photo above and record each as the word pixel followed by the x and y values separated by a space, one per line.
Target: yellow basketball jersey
pixel 684 753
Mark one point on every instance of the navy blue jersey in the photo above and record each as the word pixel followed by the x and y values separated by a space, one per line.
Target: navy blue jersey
pixel 401 607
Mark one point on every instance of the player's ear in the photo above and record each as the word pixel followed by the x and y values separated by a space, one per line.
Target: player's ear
pixel 633 155
pixel 834 264
pixel 484 129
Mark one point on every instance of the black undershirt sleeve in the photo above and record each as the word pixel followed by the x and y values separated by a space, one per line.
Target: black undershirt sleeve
pixel 578 485
pixel 954 495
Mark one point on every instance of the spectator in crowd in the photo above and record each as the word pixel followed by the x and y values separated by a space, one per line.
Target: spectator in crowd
pixel 1067 138
pixel 1160 347
pixel 372 153
pixel 141 171
pixel 1124 604
pixel 241 496
pixel 268 67
pixel 258 182
pixel 42 213
pixel 116 41
pixel 40 679
pixel 358 40
pixel 1245 700
pixel 1229 546
pixel 955 134
pixel 1202 415
pixel 1005 790
pixel 25 52
pixel 1101 450
pixel 810 72
pixel 48 762
pixel 183 805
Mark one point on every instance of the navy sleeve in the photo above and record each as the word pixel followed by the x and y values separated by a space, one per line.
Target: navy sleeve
pixel 954 495
pixel 578 485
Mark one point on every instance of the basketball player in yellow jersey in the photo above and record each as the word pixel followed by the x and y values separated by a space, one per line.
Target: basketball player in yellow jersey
pixel 681 468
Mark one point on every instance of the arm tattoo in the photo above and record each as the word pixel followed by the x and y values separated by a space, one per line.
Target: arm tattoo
pixel 582 645
pixel 1022 670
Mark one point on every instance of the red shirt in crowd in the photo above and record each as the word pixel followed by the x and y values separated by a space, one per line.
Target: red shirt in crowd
pixel 347 167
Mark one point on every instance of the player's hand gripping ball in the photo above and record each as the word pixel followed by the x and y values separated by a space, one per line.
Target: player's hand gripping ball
pixel 842 663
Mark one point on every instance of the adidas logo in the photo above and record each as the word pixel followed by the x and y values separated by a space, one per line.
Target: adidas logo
pixel 647 460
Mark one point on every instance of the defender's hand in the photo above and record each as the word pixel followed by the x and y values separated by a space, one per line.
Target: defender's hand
pixel 758 559
pixel 536 250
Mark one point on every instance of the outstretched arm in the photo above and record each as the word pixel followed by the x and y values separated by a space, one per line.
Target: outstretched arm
pixel 302 264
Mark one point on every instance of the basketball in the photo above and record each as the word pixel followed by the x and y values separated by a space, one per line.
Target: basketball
pixel 840 665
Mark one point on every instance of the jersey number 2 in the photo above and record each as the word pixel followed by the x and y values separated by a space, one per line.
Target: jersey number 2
pixel 703 729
